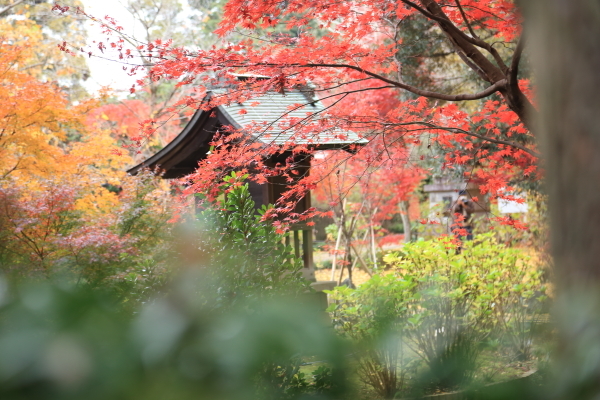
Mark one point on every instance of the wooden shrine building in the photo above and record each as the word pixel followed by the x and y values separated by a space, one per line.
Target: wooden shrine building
pixel 181 156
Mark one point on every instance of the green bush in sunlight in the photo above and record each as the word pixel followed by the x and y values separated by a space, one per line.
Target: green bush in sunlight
pixel 443 306
pixel 373 316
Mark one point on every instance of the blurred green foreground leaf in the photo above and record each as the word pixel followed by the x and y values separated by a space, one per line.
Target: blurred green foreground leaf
pixel 59 342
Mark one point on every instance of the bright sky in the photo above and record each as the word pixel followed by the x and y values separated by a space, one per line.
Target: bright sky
pixel 105 72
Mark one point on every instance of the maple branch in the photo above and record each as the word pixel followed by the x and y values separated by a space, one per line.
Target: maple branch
pixel 517 100
pixel 469 63
pixel 311 116
pixel 501 84
pixel 424 11
pixel 458 130
pixel 112 59
pixel 16 166
pixel 464 15
pixel 454 130
pixel 343 84
pixel 28 241
pixel 443 19
pixel 129 39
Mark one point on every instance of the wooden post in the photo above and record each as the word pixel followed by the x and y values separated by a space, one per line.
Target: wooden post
pixel 297 244
pixel 307 248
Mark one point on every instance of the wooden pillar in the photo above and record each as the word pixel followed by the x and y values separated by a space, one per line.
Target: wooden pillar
pixel 297 243
pixel 307 248
pixel 302 234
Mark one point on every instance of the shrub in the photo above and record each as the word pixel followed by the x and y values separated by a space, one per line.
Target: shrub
pixel 245 256
pixel 325 264
pixel 283 381
pixel 59 342
pixel 80 233
pixel 442 305
pixel 462 299
pixel 374 316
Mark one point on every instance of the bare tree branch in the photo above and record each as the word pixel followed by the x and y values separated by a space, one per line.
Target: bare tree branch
pixel 8 7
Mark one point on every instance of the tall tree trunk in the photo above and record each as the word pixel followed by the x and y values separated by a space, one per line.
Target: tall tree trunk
pixel 347 264
pixel 335 251
pixel 373 245
pixel 403 205
pixel 565 44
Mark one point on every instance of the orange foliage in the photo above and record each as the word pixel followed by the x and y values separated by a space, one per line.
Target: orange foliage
pixel 41 134
pixel 55 214
pixel 127 119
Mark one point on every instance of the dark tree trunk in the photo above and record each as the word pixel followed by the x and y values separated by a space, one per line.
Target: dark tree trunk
pixel 567 60
pixel 520 105
pixel 565 44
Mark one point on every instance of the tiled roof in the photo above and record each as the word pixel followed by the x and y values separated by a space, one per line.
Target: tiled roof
pixel 272 114
pixel 269 117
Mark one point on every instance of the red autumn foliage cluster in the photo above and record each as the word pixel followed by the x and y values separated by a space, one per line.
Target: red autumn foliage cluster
pixel 350 53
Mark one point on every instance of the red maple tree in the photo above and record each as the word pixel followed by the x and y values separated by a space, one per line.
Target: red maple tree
pixel 353 55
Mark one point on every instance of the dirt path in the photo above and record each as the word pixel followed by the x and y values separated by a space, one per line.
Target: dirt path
pixel 358 276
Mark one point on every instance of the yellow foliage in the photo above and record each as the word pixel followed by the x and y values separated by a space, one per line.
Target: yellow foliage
pixel 48 61
pixel 60 171
pixel 43 136
pixel 34 115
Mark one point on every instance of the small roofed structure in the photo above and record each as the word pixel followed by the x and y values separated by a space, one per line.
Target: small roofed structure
pixel 181 157
pixel 444 193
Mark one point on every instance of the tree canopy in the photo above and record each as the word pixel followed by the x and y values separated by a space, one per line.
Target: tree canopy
pixel 441 79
